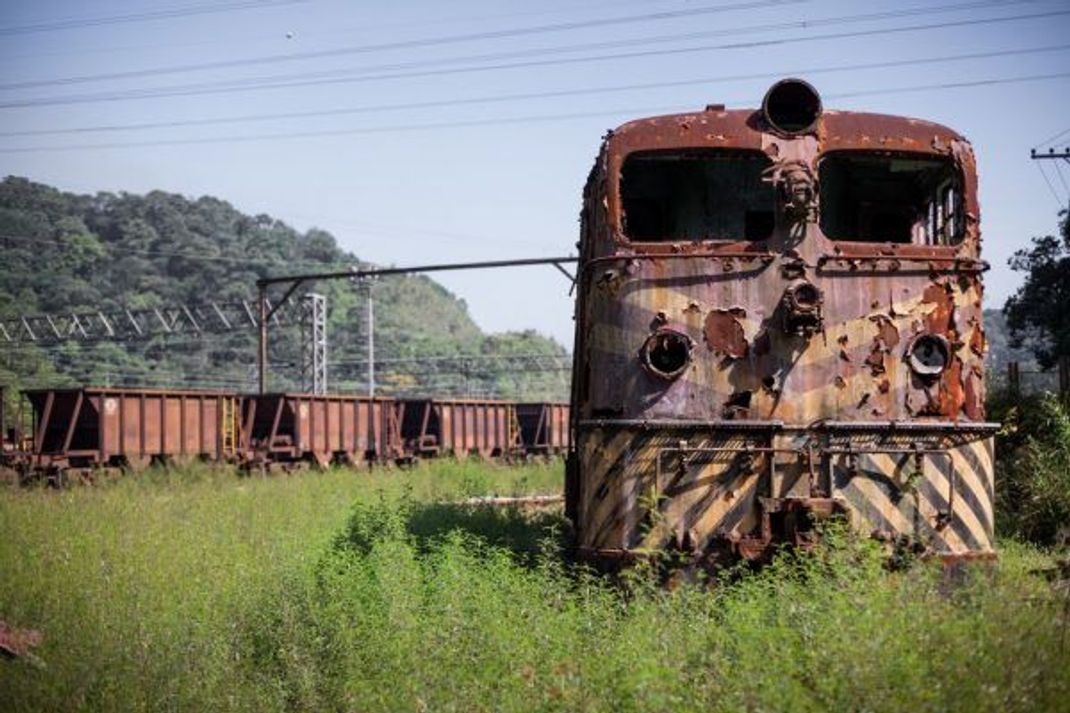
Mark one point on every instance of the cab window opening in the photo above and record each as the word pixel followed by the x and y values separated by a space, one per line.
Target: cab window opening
pixel 887 198
pixel 673 196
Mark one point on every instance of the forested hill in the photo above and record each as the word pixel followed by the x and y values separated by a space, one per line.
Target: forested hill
pixel 63 252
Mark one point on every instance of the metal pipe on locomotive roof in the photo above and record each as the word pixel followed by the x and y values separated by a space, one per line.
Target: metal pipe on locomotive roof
pixel 295 281
pixel 792 106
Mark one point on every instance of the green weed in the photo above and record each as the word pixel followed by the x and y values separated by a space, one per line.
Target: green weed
pixel 364 592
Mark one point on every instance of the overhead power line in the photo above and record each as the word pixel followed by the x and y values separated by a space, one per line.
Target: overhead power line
pixel 1051 139
pixel 415 43
pixel 158 14
pixel 1051 186
pixel 566 49
pixel 398 128
pixel 520 96
pixel 452 18
pixel 260 84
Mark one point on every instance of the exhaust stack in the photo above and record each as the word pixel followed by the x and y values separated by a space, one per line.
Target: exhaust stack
pixel 792 106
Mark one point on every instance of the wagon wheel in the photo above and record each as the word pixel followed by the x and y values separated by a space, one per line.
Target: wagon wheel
pixel 136 463
pixel 57 478
pixel 180 460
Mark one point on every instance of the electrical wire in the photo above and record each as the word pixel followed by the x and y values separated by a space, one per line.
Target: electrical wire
pixel 158 14
pixel 1051 139
pixel 1059 173
pixel 589 46
pixel 350 30
pixel 418 43
pixel 524 96
pixel 1051 187
pixel 501 121
pixel 268 83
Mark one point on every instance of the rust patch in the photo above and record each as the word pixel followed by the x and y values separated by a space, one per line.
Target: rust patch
pixel 952 394
pixel 887 333
pixel 724 334
pixel 840 382
pixel 884 386
pixel 944 398
pixel 941 319
pixel 977 340
pixel 875 360
pixel 974 400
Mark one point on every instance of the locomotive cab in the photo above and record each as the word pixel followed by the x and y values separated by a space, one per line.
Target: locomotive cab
pixel 778 318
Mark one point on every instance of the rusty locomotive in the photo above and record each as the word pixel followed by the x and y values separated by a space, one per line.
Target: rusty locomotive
pixel 778 320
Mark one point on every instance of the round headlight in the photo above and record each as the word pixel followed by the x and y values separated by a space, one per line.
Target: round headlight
pixel 666 353
pixel 929 355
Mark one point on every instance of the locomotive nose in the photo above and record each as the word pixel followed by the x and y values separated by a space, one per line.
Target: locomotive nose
pixel 792 106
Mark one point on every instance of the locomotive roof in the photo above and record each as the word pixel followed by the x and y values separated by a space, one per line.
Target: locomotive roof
pixel 743 128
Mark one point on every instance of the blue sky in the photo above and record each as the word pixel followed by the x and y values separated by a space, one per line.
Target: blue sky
pixel 484 169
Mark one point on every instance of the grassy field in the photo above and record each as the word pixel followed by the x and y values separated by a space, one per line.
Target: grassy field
pixel 197 590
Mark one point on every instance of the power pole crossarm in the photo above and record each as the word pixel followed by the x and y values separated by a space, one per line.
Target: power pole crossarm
pixel 1050 154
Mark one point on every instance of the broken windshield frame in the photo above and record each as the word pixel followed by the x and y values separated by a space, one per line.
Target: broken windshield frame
pixel 892 198
pixel 696 195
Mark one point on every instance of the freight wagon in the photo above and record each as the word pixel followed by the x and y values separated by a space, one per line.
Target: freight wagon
pixel 544 427
pixel 459 427
pixel 321 429
pixel 91 428
pixel 85 430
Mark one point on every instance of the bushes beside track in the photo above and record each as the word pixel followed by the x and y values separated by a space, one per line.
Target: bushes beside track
pixel 1032 468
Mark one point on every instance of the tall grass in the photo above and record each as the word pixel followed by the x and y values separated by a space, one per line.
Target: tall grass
pixel 357 592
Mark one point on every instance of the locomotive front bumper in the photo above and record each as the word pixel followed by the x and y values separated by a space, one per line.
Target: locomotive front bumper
pixel 743 488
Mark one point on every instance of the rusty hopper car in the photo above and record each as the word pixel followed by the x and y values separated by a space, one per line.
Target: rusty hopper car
pixel 89 428
pixel 544 427
pixel 778 319
pixel 459 427
pixel 320 429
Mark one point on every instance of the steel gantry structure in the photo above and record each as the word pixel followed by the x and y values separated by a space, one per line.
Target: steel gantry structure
pixel 129 324
pixel 267 310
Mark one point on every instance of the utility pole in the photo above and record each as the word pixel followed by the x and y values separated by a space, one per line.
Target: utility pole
pixel 364 283
pixel 262 349
pixel 371 342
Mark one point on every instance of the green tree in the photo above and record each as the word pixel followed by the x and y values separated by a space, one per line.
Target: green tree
pixel 1038 314
pixel 64 252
